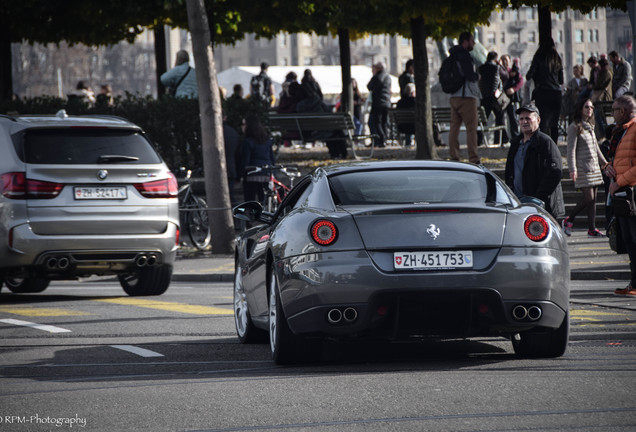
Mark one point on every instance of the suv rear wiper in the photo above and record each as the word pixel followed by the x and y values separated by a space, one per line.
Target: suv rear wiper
pixel 116 158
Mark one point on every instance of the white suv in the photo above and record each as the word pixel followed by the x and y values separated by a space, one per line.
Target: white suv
pixel 81 196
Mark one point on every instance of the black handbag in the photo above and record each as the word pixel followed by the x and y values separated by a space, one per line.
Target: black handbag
pixel 613 233
pixel 623 202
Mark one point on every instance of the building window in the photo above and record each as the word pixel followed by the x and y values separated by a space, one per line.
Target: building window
pixel 530 14
pixel 308 61
pixel 501 15
pixel 282 39
pixel 515 15
pixel 578 36
pixel 306 38
pixel 560 36
pixel 580 57
pixel 515 37
pixel 492 38
pixel 285 61
pixel 595 35
pixel 503 37
pixel 405 41
pixel 532 37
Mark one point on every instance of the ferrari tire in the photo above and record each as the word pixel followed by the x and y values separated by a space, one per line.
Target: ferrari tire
pixel 245 329
pixel 147 281
pixel 26 285
pixel 548 343
pixel 286 347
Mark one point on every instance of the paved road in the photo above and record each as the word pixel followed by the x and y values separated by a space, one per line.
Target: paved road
pixel 173 363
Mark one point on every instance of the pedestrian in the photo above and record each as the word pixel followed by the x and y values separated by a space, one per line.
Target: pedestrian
pixel 232 142
pixel 491 77
pixel 380 88
pixel 407 77
pixel 84 93
pixel 546 70
pixel 533 167
pixel 512 87
pixel 592 62
pixel 181 80
pixel 105 96
pixel 622 172
pixel 312 99
pixel 574 87
pixel 358 102
pixel 256 151
pixel 261 86
pixel 602 92
pixel 407 102
pixel 464 102
pixel 622 79
pixel 584 156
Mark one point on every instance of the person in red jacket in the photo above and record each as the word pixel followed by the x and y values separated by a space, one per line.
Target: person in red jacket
pixel 622 171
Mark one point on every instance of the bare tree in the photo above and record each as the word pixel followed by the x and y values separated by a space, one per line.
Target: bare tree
pixel 216 183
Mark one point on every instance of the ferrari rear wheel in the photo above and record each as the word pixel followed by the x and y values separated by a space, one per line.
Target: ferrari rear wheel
pixel 26 285
pixel 245 329
pixel 287 348
pixel 548 343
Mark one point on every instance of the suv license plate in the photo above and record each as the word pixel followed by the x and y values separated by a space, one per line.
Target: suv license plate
pixel 100 193
pixel 439 260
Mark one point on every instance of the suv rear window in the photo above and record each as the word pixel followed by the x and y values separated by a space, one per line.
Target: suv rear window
pixel 85 146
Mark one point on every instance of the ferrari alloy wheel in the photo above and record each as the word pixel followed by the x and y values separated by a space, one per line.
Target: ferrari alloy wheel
pixel 26 285
pixel 547 343
pixel 286 347
pixel 245 329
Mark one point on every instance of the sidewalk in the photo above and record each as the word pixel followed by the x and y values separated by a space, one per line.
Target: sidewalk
pixel 590 259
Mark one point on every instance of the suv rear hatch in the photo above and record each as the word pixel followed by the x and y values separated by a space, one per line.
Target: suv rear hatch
pixel 98 169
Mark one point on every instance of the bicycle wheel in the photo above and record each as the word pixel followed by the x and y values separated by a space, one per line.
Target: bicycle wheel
pixel 198 225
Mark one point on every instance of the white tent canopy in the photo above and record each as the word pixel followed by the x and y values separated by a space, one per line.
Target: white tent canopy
pixel 329 77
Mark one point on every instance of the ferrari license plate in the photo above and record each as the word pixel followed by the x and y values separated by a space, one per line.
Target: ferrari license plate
pixel 100 193
pixel 438 260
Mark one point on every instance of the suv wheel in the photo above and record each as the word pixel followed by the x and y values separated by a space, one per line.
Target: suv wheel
pixel 26 285
pixel 147 281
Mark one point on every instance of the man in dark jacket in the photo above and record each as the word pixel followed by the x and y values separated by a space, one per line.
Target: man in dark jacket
pixel 533 167
pixel 491 76
pixel 380 88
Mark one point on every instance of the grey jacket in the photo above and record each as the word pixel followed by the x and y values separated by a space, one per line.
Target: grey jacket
pixel 188 87
pixel 622 76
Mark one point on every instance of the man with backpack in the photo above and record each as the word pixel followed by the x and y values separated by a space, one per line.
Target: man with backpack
pixel 464 96
pixel 261 86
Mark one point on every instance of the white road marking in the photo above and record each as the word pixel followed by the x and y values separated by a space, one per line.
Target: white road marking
pixel 44 327
pixel 136 350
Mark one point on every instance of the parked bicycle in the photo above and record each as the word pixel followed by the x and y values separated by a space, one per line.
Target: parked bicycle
pixel 193 213
pixel 276 190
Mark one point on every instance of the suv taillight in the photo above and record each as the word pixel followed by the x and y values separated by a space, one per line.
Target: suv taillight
pixel 15 185
pixel 167 188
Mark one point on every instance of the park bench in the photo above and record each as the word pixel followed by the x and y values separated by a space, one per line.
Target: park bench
pixel 442 119
pixel 325 127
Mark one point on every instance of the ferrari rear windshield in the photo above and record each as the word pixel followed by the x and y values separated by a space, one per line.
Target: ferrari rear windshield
pixel 409 187
pixel 85 146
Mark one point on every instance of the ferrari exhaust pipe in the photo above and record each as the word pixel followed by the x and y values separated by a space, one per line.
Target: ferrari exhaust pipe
pixel 350 314
pixel 63 263
pixel 519 312
pixel 51 263
pixel 334 316
pixel 534 313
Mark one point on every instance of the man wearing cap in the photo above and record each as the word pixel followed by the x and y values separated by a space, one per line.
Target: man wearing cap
pixel 533 167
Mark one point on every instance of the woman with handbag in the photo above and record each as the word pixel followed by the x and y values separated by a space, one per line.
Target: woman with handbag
pixel 584 156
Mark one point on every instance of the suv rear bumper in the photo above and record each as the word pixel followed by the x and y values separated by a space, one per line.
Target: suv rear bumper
pixel 94 254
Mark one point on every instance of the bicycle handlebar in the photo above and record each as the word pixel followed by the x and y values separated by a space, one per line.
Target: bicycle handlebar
pixel 288 171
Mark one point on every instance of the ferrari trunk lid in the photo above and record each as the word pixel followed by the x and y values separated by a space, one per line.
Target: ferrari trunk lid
pixel 431 228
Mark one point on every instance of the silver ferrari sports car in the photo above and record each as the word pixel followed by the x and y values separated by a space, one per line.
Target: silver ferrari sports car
pixel 400 251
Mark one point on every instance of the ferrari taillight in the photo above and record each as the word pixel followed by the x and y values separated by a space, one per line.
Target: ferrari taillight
pixel 324 232
pixel 167 188
pixel 536 228
pixel 16 185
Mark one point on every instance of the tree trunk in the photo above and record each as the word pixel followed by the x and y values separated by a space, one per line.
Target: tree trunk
pixel 345 64
pixel 545 24
pixel 161 65
pixel 6 80
pixel 214 163
pixel 423 113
